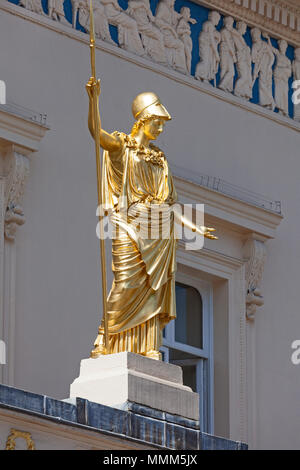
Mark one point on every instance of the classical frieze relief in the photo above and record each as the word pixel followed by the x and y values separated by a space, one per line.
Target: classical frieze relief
pixel 224 51
pixel 281 18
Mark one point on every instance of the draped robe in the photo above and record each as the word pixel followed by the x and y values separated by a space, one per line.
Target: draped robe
pixel 142 298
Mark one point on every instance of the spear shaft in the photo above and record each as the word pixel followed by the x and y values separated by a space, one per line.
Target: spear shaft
pixel 96 120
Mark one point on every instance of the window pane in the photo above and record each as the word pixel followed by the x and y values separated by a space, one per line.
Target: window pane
pixel 188 324
pixel 189 377
pixel 188 363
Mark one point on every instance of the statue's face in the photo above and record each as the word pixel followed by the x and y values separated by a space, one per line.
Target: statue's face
pixel 153 128
pixel 283 46
pixel 185 13
pixel 229 23
pixel 242 27
pixel 255 34
pixel 215 18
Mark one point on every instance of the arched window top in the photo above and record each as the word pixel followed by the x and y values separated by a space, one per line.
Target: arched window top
pixel 189 321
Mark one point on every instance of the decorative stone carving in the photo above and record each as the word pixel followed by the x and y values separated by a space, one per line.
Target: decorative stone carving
pixel 209 39
pixel 152 38
pixel 128 34
pixel 227 55
pixel 167 19
pixel 75 8
pixel 56 11
pixel 255 253
pixel 283 21
pixel 243 85
pixel 14 189
pixel 263 57
pixel 82 9
pixel 14 217
pixel 184 34
pixel 100 20
pixel 33 5
pixel 282 73
pixel 15 434
pixel 296 74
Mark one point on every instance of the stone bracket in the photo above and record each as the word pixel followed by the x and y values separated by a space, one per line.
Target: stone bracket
pixel 14 191
pixel 255 255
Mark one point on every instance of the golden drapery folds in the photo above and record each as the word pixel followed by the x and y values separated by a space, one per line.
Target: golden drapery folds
pixel 136 181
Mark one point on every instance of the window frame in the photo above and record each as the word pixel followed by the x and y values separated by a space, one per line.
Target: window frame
pixel 205 361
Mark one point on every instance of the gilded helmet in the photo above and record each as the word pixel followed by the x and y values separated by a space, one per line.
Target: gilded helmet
pixel 148 104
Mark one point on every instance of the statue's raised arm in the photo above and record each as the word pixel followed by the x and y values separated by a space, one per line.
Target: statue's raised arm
pixel 107 141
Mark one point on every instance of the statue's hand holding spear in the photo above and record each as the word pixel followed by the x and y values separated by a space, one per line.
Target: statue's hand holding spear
pixel 93 85
pixel 93 89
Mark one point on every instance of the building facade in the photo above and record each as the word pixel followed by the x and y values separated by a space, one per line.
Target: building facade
pixel 226 71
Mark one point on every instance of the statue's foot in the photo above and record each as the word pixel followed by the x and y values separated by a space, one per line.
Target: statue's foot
pixel 98 351
pixel 154 355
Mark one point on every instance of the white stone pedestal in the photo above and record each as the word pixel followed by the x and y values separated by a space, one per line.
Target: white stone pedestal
pixel 116 379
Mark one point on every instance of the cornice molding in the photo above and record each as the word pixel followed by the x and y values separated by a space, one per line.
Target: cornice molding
pixel 24 133
pixel 19 137
pixel 279 18
pixel 212 261
pixel 234 213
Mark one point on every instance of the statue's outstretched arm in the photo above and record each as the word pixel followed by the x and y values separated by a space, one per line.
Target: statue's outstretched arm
pixel 184 221
pixel 107 141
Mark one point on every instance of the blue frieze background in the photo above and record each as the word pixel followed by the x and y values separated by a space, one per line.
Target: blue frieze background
pixel 200 14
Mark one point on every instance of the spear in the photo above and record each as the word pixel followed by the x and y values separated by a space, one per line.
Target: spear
pixel 96 120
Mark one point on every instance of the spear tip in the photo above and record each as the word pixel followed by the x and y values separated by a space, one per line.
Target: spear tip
pixel 92 40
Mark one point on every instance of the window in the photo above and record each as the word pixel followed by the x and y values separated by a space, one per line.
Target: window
pixel 187 342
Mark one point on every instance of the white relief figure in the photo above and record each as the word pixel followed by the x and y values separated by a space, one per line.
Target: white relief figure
pixel 263 59
pixel 152 38
pixel 227 56
pixel 243 85
pixel 83 9
pixel 128 34
pixel 209 39
pixel 296 76
pixel 33 5
pixel 100 21
pixel 167 19
pixel 56 11
pixel 184 33
pixel 75 8
pixel 282 74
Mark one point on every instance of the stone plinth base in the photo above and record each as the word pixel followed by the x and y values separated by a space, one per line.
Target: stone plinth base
pixel 117 380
